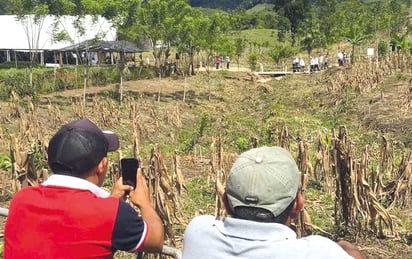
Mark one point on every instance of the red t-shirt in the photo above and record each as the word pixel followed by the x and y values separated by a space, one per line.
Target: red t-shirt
pixel 62 222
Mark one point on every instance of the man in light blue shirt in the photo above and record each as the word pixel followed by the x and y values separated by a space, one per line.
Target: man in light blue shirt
pixel 262 198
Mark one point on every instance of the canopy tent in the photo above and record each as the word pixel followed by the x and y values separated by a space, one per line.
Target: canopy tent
pixel 101 52
pixel 105 46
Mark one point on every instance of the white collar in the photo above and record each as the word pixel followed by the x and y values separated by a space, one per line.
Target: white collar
pixel 75 183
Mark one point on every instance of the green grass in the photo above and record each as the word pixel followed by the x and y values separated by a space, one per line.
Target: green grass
pixel 320 206
pixel 262 36
pixel 260 8
pixel 200 198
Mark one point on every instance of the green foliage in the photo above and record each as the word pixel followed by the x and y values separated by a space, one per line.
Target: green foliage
pixel 103 76
pixel 200 196
pixel 401 42
pixel 5 162
pixel 47 80
pixel 189 138
pixel 282 51
pixel 242 144
pixel 325 201
pixel 14 64
pixel 253 60
pixel 383 47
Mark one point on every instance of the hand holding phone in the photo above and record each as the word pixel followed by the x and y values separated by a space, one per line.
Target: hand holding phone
pixel 128 168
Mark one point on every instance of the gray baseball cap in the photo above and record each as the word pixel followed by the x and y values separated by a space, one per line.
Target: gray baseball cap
pixel 264 177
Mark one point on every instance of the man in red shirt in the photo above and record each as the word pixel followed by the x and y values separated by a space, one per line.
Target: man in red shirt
pixel 69 215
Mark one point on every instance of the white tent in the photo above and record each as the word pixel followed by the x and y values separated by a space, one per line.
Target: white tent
pixel 18 35
pixel 24 35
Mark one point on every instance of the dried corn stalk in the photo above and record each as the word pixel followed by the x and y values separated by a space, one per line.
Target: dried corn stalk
pixel 322 165
pixel 303 222
pixel 164 198
pixel 178 174
pixel 23 167
pixel 400 187
pixel 355 202
pixel 78 108
pixel 284 137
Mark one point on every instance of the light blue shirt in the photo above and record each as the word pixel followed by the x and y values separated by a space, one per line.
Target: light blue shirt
pixel 208 237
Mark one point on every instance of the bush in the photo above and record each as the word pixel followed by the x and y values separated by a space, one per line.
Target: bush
pixel 253 60
pixel 47 80
pixel 383 47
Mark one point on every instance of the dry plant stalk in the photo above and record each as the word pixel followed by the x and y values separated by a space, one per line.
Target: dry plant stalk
pixel 14 108
pixel 355 201
pixel 174 117
pixel 362 76
pixel 78 107
pixel 56 118
pixel 399 188
pixel 284 137
pixel 386 164
pixel 136 137
pixel 164 198
pixel 303 222
pixel 218 174
pixel 322 169
pixel 178 174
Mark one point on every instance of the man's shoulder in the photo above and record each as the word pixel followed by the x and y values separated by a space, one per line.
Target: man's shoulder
pixel 201 223
pixel 25 192
pixel 202 220
pixel 323 245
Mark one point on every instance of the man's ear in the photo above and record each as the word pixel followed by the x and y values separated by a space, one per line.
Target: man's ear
pixel 226 203
pixel 297 205
pixel 101 167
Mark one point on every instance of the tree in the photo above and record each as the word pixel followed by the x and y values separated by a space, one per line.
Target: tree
pixel 354 21
pixel 295 11
pixel 281 51
pixel 310 34
pixel 31 15
pixel 3 7
pixel 403 46
pixel 325 11
pixel 240 45
pixel 157 21
pixel 356 38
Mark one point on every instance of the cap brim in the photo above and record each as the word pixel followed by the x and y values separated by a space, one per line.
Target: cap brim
pixel 112 140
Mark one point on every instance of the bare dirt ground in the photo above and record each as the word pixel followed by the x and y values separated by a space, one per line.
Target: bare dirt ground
pixel 385 110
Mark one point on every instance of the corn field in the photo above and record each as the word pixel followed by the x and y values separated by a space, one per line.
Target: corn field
pixel 365 187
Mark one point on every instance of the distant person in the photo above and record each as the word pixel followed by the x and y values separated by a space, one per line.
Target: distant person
pixel 217 62
pixel 302 65
pixel 227 62
pixel 326 62
pixel 312 64
pixel 295 64
pixel 321 62
pixel 316 62
pixel 341 58
pixel 262 197
pixel 69 215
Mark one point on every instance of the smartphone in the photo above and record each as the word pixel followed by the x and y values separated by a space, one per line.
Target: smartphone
pixel 128 167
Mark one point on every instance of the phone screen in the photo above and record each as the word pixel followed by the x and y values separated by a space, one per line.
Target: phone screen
pixel 128 167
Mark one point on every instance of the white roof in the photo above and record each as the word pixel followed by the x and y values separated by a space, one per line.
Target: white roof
pixel 14 36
